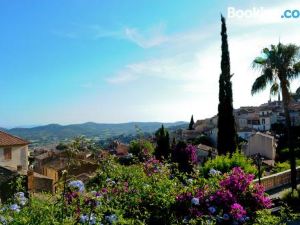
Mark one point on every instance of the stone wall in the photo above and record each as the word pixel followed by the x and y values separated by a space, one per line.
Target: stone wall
pixel 278 179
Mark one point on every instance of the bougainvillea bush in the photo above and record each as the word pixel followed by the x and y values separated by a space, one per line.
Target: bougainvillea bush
pixel 233 201
pixel 143 193
pixel 185 155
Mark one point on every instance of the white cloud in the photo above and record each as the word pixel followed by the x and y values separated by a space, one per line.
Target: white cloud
pixel 150 38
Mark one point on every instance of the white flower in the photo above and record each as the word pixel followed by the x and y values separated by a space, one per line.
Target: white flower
pixel 185 219
pixel 3 220
pixel 213 172
pixel 15 207
pixel 111 218
pixel 20 195
pixel 195 201
pixel 77 184
pixel 85 218
pixel 21 199
pixel 190 181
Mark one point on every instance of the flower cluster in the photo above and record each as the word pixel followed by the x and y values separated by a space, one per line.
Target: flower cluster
pixel 185 155
pixel 76 185
pixel 213 172
pixel 152 166
pixel 87 219
pixel 236 199
pixel 20 201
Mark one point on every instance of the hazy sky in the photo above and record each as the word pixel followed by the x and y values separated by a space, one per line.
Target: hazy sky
pixel 135 60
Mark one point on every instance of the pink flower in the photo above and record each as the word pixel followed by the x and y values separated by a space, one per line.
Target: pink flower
pixel 237 211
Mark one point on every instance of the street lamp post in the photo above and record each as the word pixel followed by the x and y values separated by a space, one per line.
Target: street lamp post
pixel 259 160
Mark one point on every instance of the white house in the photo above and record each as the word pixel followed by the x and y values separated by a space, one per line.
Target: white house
pixel 261 143
pixel 13 152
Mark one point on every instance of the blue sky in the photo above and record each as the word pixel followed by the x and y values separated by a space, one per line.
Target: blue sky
pixel 118 61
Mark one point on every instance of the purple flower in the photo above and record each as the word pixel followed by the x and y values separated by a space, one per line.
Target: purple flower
pixel 226 216
pixel 212 209
pixel 20 198
pixel 237 211
pixel 15 207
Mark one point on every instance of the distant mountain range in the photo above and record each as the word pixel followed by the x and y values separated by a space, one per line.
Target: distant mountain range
pixel 56 132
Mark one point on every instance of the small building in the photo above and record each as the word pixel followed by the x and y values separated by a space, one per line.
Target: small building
pixel 51 165
pixel 263 144
pixel 205 152
pixel 13 152
pixel 245 133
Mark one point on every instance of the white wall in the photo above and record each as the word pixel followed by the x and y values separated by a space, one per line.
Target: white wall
pixel 19 156
pixel 261 144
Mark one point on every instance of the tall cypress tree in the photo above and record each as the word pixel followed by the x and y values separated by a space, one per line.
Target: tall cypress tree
pixel 226 122
pixel 162 149
pixel 191 123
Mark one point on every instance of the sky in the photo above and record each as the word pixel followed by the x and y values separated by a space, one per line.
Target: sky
pixel 74 61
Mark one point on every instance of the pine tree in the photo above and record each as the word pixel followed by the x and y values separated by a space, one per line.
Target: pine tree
pixel 226 123
pixel 191 125
pixel 162 149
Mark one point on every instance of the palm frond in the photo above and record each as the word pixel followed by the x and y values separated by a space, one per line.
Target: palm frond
pixel 259 84
pixel 274 90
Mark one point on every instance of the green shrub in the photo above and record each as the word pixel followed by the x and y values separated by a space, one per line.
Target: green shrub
pixel 281 166
pixel 292 198
pixel 142 149
pixel 225 163
pixel 264 217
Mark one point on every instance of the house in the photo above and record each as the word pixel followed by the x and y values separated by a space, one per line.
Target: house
pixel 39 183
pixel 51 165
pixel 205 152
pixel 263 144
pixel 245 133
pixel 13 152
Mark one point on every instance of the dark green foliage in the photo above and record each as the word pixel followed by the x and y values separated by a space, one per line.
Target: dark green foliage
pixel 185 155
pixel 226 123
pixel 10 183
pixel 203 139
pixel 142 149
pixel 162 150
pixel 191 125
pixel 62 146
pixel 292 198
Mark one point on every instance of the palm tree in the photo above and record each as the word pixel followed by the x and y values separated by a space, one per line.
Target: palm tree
pixel 279 65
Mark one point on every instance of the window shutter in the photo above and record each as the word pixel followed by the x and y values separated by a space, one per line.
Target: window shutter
pixel 7 153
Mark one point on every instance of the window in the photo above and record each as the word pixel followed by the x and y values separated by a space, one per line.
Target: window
pixel 263 121
pixel 7 153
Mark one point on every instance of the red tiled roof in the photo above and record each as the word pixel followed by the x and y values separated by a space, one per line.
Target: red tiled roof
pixel 10 140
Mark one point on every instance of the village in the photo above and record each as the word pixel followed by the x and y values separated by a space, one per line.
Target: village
pixel 43 167
pixel 149 113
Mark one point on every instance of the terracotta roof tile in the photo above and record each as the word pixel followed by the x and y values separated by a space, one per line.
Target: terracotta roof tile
pixel 10 140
